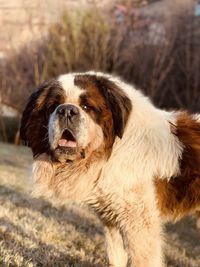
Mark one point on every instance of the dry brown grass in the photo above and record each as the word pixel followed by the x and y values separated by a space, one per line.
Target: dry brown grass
pixel 33 233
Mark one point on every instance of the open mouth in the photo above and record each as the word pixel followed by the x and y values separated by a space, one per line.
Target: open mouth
pixel 67 140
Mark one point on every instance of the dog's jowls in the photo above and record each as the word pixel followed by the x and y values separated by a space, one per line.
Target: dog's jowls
pixel 99 141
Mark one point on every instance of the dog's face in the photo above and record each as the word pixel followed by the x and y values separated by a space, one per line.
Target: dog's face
pixel 74 116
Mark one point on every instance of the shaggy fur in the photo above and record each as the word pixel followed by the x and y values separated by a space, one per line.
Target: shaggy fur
pixel 99 141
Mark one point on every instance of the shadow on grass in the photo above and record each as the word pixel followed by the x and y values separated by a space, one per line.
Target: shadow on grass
pixel 42 253
pixel 175 261
pixel 187 231
pixel 81 222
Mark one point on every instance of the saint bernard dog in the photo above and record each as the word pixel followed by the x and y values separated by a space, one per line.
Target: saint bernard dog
pixel 98 141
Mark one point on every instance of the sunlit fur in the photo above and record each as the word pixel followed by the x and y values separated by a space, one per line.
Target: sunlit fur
pixel 129 178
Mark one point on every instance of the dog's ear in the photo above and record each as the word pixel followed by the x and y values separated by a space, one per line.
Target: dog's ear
pixel 118 102
pixel 35 117
pixel 29 108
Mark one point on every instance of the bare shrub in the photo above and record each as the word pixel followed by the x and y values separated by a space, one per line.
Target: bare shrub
pixel 167 67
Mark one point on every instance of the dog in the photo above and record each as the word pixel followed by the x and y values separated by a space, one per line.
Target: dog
pixel 99 141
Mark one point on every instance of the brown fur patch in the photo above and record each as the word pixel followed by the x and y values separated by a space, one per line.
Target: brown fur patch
pixel 34 123
pixel 110 97
pixel 181 194
pixel 98 109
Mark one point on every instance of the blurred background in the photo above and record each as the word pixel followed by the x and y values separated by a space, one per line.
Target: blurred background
pixel 153 44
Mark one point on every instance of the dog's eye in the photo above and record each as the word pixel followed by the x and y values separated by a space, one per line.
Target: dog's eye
pixel 86 107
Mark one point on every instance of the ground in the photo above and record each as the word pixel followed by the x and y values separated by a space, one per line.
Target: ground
pixel 33 233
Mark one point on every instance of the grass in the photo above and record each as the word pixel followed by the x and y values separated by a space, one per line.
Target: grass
pixel 33 233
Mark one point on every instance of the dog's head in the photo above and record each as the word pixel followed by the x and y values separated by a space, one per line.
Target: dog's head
pixel 75 115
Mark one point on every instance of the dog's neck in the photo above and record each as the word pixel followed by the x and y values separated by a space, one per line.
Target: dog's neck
pixel 81 176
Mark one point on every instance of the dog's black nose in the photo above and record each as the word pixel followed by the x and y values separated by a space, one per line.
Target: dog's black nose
pixel 67 110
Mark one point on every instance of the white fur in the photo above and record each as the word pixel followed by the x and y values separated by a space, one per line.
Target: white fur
pixel 197 117
pixel 53 126
pixel 72 91
pixel 148 145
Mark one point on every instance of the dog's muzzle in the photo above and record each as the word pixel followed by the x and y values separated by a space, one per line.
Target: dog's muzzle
pixel 68 123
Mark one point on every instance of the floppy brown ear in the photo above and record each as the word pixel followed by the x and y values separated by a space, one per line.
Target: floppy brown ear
pixel 35 117
pixel 118 102
pixel 29 108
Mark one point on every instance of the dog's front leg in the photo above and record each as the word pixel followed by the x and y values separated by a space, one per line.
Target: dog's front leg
pixel 117 255
pixel 141 231
pixel 135 226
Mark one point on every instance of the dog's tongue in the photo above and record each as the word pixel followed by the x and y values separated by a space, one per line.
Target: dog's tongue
pixel 66 143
